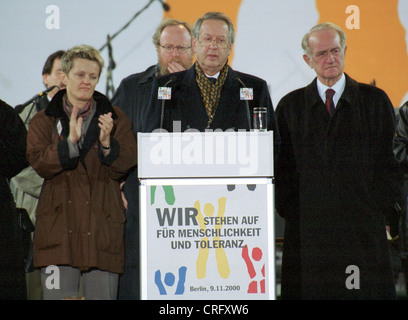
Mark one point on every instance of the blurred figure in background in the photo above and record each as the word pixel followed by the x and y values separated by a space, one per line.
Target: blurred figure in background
pixel 13 142
pixel 26 186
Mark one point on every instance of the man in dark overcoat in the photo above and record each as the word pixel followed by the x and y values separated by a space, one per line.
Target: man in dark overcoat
pixel 13 142
pixel 336 180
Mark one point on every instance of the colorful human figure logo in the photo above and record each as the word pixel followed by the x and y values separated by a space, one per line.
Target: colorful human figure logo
pixel 168 194
pixel 259 277
pixel 169 280
pixel 220 255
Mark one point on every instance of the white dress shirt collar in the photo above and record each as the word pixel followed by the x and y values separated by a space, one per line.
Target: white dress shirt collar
pixel 338 87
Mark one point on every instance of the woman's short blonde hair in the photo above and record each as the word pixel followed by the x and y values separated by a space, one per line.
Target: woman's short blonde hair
pixel 83 52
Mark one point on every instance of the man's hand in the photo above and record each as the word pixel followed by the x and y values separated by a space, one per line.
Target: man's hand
pixel 175 67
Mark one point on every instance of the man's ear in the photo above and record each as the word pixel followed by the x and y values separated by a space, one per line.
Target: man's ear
pixel 194 44
pixel 45 79
pixel 307 60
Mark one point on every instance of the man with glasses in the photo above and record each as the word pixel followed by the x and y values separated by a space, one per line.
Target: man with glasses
pixel 172 39
pixel 209 94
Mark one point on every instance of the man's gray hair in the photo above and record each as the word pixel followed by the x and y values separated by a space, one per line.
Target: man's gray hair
pixel 214 16
pixel 320 27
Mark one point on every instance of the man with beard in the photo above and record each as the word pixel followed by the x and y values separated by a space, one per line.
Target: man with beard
pixel 172 39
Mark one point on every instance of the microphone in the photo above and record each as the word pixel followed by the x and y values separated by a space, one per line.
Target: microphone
pixel 246 104
pixel 21 107
pixel 165 6
pixel 163 102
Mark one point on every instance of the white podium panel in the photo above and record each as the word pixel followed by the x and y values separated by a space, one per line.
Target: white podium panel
pixel 207 215
pixel 205 154
pixel 207 239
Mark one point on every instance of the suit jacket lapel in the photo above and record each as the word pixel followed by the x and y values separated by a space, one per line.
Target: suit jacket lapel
pixel 229 102
pixel 190 102
pixel 350 94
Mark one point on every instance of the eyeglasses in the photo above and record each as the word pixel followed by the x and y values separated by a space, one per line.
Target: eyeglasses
pixel 220 42
pixel 168 48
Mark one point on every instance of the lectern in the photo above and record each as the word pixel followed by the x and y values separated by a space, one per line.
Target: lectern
pixel 207 215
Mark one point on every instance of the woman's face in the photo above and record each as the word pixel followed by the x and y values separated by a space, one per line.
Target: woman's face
pixel 81 81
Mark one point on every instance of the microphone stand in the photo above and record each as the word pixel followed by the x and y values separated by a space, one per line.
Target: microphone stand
pixel 163 102
pixel 128 23
pixel 109 86
pixel 34 104
pixel 246 105
pixel 110 89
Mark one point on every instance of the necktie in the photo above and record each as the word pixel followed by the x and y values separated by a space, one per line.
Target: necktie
pixel 329 101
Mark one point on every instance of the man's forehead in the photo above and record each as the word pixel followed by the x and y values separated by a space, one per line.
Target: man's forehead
pixel 213 25
pixel 175 28
pixel 174 33
pixel 324 38
pixel 56 65
pixel 324 35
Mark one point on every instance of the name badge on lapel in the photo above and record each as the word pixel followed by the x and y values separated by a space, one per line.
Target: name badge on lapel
pixel 247 94
pixel 164 93
pixel 59 127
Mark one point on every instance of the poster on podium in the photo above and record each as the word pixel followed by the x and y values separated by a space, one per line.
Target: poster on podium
pixel 207 239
